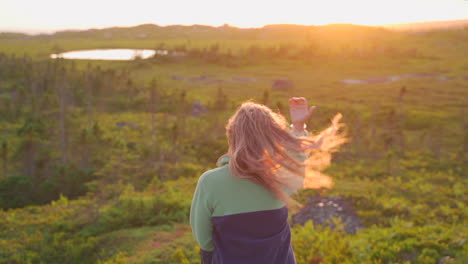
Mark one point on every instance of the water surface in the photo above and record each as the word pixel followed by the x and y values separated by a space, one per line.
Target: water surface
pixel 109 54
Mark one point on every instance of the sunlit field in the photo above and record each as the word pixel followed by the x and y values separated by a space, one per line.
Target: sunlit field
pixel 99 159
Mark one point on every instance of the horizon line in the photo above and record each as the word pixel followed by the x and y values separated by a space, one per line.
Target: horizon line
pixel 34 31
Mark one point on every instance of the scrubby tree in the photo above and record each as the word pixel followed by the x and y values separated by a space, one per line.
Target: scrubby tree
pixel 60 87
pixel 5 157
pixel 266 97
pixel 152 107
pixel 221 99
pixel 31 133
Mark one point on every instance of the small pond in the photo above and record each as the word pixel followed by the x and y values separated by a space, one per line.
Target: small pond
pixel 109 54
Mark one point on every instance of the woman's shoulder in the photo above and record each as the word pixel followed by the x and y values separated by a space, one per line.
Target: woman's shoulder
pixel 215 176
pixel 220 173
pixel 223 160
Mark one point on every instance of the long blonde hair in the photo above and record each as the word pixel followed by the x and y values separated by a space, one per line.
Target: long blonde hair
pixel 262 149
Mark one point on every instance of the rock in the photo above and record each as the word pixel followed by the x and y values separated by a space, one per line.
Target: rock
pixel 353 81
pixel 200 78
pixel 125 124
pixel 203 78
pixel 243 79
pixel 321 209
pixel 443 78
pixel 214 80
pixel 177 78
pixel 198 108
pixel 282 84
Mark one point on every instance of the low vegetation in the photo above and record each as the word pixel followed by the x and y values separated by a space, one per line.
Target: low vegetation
pixel 99 159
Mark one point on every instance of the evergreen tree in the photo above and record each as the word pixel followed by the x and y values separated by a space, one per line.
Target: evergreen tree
pixel 266 97
pixel 152 103
pixel 5 157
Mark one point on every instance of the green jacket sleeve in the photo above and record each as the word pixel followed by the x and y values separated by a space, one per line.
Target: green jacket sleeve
pixel 200 216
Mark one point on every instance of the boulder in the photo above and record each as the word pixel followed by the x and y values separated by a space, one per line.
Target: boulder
pixel 198 108
pixel 282 84
pixel 321 209
pixel 353 81
pixel 177 78
pixel 126 124
pixel 243 79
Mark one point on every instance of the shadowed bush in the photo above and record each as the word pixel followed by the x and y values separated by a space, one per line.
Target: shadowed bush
pixel 134 209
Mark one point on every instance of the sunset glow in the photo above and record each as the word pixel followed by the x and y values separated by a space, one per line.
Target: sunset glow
pixel 49 15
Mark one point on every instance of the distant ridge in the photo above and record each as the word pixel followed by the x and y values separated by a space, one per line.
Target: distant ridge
pixel 224 32
pixel 429 25
pixel 413 26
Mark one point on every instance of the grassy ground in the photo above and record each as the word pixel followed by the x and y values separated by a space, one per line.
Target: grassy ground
pixel 414 206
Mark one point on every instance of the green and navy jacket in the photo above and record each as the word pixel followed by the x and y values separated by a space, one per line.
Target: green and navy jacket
pixel 237 221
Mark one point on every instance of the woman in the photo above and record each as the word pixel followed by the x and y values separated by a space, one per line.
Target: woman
pixel 240 209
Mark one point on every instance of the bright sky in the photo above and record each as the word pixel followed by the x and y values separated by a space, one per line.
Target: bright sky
pixel 51 15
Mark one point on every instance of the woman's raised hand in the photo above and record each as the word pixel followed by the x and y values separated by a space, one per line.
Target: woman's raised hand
pixel 299 112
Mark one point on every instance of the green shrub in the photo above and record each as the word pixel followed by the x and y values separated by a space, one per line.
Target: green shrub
pixel 15 191
pixel 119 258
pixel 318 244
pixel 404 242
pixel 134 209
pixel 22 190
